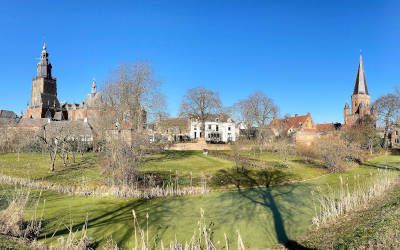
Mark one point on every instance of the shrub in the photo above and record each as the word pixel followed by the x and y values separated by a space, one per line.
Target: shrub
pixel 12 221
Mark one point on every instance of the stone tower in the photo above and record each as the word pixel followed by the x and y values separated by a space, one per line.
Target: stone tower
pixel 360 99
pixel 43 102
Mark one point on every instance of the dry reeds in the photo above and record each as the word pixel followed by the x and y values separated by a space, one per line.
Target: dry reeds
pixel 118 191
pixel 329 206
pixel 12 221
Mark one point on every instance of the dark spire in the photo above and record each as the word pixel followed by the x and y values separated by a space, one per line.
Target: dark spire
pixel 44 66
pixel 360 86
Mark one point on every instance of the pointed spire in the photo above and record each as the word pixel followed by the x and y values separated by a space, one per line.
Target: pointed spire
pixel 360 86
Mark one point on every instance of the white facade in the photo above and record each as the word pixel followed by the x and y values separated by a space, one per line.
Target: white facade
pixel 215 131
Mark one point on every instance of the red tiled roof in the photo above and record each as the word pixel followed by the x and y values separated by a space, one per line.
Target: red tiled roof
pixel 290 122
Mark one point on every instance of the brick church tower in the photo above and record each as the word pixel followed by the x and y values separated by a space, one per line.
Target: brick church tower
pixel 360 100
pixel 43 102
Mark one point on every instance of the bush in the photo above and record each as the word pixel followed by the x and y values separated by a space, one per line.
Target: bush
pixel 331 150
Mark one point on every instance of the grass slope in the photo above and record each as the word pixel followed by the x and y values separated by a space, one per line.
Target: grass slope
pixel 375 227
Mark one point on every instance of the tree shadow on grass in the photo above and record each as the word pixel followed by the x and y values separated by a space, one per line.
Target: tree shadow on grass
pixel 388 166
pixel 116 222
pixel 265 197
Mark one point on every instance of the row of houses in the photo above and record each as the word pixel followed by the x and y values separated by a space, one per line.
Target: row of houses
pixel 219 129
pixel 222 129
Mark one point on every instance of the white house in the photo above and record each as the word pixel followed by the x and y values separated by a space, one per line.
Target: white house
pixel 218 130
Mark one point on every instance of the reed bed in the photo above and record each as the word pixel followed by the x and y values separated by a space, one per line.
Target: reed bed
pixel 118 191
pixel 351 195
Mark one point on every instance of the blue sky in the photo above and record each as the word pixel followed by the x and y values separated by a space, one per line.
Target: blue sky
pixel 303 54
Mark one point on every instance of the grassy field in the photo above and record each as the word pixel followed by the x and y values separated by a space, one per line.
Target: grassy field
pixel 185 165
pixel 385 162
pixel 36 166
pixel 374 227
pixel 263 216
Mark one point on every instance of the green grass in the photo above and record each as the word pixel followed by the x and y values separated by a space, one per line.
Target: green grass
pixel 185 163
pixel 11 244
pixel 36 166
pixel 251 211
pixel 385 161
pixel 262 216
pixel 297 168
pixel 377 224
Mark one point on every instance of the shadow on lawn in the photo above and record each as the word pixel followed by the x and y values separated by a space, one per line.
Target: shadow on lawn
pixel 263 196
pixel 108 221
pixel 388 166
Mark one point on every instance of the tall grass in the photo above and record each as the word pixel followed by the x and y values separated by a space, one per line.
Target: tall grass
pixel 12 221
pixel 350 195
pixel 118 191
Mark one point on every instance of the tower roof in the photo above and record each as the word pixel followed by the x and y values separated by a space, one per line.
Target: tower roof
pixel 360 86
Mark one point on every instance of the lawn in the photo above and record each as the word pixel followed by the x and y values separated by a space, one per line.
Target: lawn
pixel 385 161
pixel 262 216
pixel 36 166
pixel 188 166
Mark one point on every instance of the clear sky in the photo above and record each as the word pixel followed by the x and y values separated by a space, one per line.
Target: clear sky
pixel 303 54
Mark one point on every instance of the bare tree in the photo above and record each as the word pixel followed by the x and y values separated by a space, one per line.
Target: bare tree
pixel 54 137
pixel 130 96
pixel 121 159
pixel 258 110
pixel 388 108
pixel 200 103
pixel 362 133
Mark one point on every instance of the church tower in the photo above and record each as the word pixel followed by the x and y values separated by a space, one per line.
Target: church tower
pixel 360 99
pixel 43 102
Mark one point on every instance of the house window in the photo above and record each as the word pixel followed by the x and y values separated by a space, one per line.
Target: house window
pixel 216 127
pixel 195 128
pixel 229 128
pixel 209 136
pixel 397 132
pixel 396 140
pixel 209 126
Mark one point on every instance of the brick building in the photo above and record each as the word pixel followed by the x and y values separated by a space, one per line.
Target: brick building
pixel 44 102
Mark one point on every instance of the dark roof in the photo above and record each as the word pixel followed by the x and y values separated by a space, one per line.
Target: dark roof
pixel 32 123
pixel 360 86
pixel 7 114
pixel 83 127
